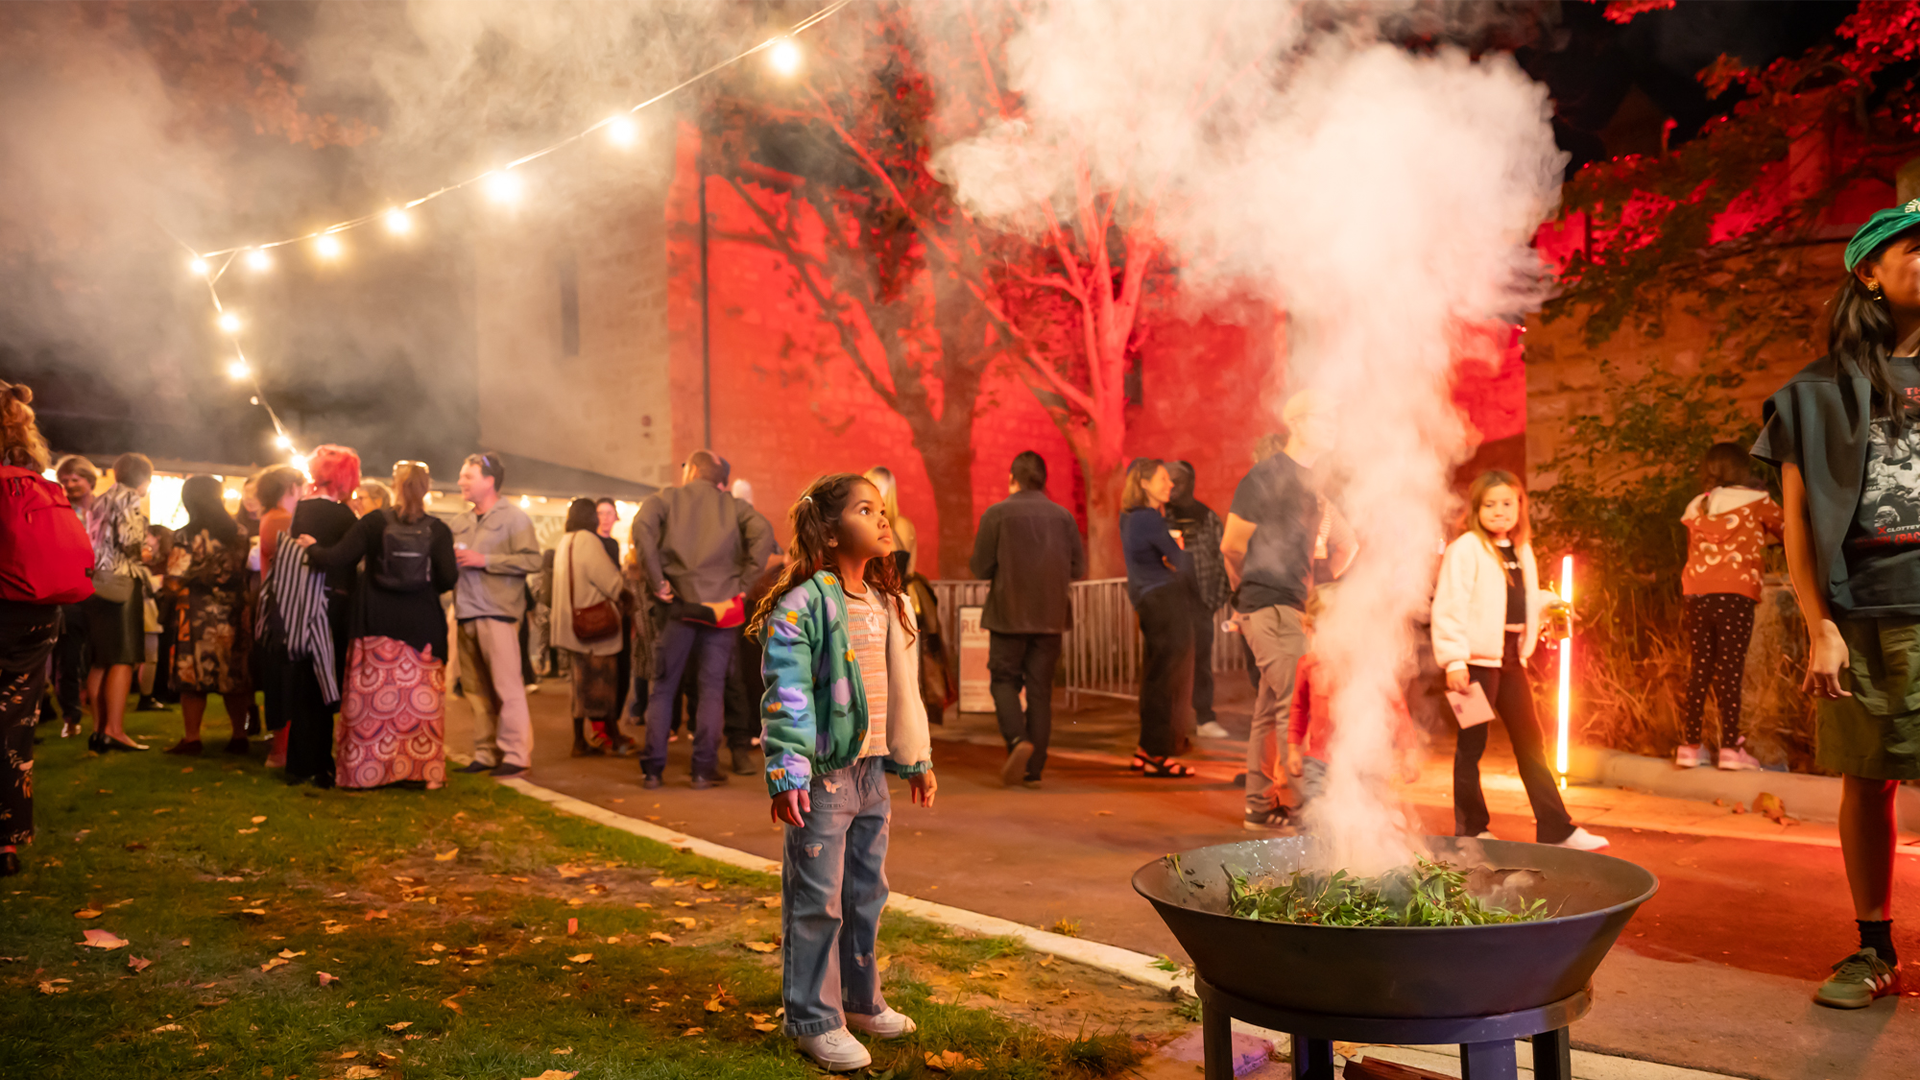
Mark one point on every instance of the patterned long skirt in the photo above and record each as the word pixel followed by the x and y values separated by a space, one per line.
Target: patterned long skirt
pixel 392 718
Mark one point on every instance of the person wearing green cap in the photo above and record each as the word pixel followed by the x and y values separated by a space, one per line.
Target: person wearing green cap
pixel 1845 434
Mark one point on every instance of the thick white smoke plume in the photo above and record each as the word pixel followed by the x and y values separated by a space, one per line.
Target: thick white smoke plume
pixel 1379 196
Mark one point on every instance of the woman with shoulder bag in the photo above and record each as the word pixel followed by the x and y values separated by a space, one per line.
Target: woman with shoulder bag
pixel 116 612
pixel 586 623
pixel 44 555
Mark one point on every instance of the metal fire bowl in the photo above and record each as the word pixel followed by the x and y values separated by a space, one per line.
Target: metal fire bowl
pixel 1400 972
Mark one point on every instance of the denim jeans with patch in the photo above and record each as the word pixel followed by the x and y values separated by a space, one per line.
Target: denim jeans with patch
pixel 833 884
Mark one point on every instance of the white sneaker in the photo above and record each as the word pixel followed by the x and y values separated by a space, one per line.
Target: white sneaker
pixel 1582 840
pixel 886 1025
pixel 1736 759
pixel 835 1051
pixel 1485 836
pixel 1213 729
pixel 1689 757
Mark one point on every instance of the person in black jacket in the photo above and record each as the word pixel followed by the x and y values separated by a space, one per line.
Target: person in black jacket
pixel 1029 547
pixel 1160 584
pixel 393 721
pixel 1200 532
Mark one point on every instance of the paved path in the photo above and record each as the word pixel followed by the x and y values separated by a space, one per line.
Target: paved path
pixel 1713 974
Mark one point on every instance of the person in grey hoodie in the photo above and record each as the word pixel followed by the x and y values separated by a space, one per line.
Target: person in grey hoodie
pixel 700 546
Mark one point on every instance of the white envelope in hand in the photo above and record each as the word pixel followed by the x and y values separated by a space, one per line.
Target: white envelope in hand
pixel 1471 708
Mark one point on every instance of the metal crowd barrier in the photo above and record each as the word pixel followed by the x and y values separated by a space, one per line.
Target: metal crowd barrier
pixel 1100 656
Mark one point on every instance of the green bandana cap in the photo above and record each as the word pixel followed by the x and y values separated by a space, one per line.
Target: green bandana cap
pixel 1883 226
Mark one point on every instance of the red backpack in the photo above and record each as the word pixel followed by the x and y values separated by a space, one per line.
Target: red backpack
pixel 45 556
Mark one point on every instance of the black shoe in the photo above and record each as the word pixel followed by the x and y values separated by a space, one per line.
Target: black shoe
pixel 475 766
pixel 504 770
pixel 9 863
pixel 702 783
pixel 148 704
pixel 1015 767
pixel 743 764
pixel 651 781
pixel 97 743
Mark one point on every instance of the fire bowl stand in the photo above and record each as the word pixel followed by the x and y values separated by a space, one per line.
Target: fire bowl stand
pixel 1486 1042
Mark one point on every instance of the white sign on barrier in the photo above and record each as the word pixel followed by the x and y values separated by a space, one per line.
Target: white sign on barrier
pixel 976 684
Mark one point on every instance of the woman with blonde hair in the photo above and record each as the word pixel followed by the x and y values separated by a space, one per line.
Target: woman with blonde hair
pixel 29 627
pixel 906 539
pixel 392 720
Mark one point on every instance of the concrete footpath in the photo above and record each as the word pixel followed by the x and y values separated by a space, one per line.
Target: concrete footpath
pixel 1714 974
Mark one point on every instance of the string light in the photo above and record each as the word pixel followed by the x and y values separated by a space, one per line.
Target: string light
pixel 784 56
pixel 503 186
pixel 238 370
pixel 622 131
pixel 299 461
pixel 229 322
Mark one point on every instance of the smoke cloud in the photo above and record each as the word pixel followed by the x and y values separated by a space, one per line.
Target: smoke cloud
pixel 1379 195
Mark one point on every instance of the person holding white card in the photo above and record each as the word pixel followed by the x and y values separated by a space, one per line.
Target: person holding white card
pixel 1487 607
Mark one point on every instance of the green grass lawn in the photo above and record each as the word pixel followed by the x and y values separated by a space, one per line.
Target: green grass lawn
pixel 443 919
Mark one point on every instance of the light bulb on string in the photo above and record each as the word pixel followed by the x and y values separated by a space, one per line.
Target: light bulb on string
pixel 503 186
pixel 622 131
pixel 229 322
pixel 238 370
pixel 327 246
pixel 399 222
pixel 198 268
pixel 784 56
pixel 299 461
pixel 283 442
pixel 258 260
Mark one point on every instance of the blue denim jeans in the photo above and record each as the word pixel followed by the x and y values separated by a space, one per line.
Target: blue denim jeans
pixel 833 884
pixel 711 651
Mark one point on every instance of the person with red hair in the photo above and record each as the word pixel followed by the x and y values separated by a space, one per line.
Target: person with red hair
pixel 325 517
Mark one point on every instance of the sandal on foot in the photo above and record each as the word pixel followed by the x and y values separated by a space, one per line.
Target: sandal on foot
pixel 1139 761
pixel 1164 766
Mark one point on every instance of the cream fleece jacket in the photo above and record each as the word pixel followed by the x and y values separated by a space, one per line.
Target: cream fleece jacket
pixel 1470 605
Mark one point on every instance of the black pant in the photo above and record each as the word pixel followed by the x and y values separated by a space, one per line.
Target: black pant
pixel 1719 626
pixel 745 686
pixel 69 676
pixel 1019 662
pixel 27 636
pixel 1166 629
pixel 1511 695
pixel 1202 664
pixel 309 719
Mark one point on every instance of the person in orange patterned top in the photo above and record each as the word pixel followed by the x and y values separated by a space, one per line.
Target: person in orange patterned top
pixel 1728 528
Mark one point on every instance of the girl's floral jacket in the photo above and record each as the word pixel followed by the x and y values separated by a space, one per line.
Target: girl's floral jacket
pixel 814 713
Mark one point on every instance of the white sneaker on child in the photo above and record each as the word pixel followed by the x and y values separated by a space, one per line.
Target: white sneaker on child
pixel 1736 759
pixel 1582 840
pixel 835 1051
pixel 886 1025
pixel 1689 757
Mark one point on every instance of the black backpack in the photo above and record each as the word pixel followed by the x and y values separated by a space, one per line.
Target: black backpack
pixel 406 563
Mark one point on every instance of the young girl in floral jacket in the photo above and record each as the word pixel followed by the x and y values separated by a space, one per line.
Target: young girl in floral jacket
pixel 842 709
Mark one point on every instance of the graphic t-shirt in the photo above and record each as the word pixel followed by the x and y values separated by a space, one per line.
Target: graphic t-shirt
pixel 1516 583
pixel 1277 497
pixel 867 629
pixel 1882 547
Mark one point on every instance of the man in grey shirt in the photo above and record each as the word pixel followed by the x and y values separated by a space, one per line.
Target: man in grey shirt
pixel 1029 546
pixel 496 548
pixel 700 545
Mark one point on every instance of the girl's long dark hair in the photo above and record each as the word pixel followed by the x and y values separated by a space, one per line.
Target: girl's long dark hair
pixel 1860 334
pixel 815 519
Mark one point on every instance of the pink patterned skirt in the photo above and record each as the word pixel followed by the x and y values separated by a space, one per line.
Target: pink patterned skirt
pixel 392 717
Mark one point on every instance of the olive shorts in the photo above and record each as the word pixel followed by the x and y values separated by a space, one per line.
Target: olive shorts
pixel 1875 734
